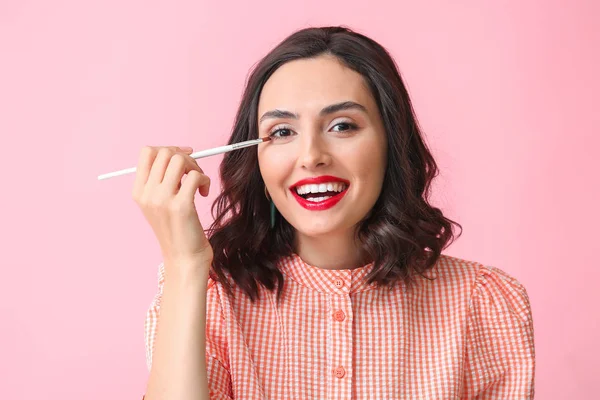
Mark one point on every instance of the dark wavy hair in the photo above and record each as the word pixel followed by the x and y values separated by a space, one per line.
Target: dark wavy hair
pixel 403 234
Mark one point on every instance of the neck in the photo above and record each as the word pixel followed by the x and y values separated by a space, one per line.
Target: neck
pixel 335 251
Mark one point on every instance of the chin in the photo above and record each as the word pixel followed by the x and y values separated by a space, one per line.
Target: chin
pixel 316 230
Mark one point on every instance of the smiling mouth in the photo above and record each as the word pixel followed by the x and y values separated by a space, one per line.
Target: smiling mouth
pixel 319 196
pixel 320 192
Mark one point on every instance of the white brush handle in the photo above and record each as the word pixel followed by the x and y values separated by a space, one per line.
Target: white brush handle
pixel 196 155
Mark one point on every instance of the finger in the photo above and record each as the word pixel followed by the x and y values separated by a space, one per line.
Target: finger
pixel 145 161
pixel 184 150
pixel 160 164
pixel 187 151
pixel 179 165
pixel 195 181
pixel 194 163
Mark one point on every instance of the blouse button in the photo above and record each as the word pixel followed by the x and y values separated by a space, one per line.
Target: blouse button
pixel 339 315
pixel 339 372
pixel 338 283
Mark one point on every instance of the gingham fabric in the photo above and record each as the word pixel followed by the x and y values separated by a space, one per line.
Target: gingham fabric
pixel 468 334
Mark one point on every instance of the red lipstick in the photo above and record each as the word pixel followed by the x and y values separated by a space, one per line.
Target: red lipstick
pixel 320 205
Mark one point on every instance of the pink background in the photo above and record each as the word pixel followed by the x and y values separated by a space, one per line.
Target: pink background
pixel 507 92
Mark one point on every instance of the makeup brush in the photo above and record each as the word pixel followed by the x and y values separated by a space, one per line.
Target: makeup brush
pixel 198 154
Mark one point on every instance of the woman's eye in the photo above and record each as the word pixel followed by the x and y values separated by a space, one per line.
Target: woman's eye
pixel 281 133
pixel 345 126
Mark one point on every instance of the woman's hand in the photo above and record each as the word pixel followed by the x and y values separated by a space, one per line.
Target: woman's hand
pixel 168 205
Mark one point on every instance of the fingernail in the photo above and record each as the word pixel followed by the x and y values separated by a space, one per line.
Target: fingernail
pixel 186 148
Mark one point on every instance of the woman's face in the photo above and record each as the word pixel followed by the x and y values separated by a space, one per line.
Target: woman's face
pixel 325 164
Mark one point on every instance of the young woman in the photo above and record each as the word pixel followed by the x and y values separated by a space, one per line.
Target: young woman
pixel 322 275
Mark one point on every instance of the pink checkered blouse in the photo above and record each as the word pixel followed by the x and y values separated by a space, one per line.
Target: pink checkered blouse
pixel 468 334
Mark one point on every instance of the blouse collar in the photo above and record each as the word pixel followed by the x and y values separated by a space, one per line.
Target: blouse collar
pixel 332 281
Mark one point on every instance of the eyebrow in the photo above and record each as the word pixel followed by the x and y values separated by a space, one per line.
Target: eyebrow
pixel 345 105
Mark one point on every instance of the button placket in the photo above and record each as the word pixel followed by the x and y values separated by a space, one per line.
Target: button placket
pixel 341 320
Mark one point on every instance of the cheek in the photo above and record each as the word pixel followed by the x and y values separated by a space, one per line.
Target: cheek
pixel 273 164
pixel 367 161
pixel 368 168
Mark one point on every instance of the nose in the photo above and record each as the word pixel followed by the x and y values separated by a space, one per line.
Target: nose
pixel 314 151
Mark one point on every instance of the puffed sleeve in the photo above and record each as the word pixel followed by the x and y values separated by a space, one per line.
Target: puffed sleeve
pixel 217 359
pixel 500 355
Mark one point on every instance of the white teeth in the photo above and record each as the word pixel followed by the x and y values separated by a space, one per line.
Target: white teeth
pixel 318 199
pixel 321 188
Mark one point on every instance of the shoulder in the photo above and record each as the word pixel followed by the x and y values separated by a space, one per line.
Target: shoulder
pixel 221 297
pixel 452 274
pixel 489 287
pixel 499 292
